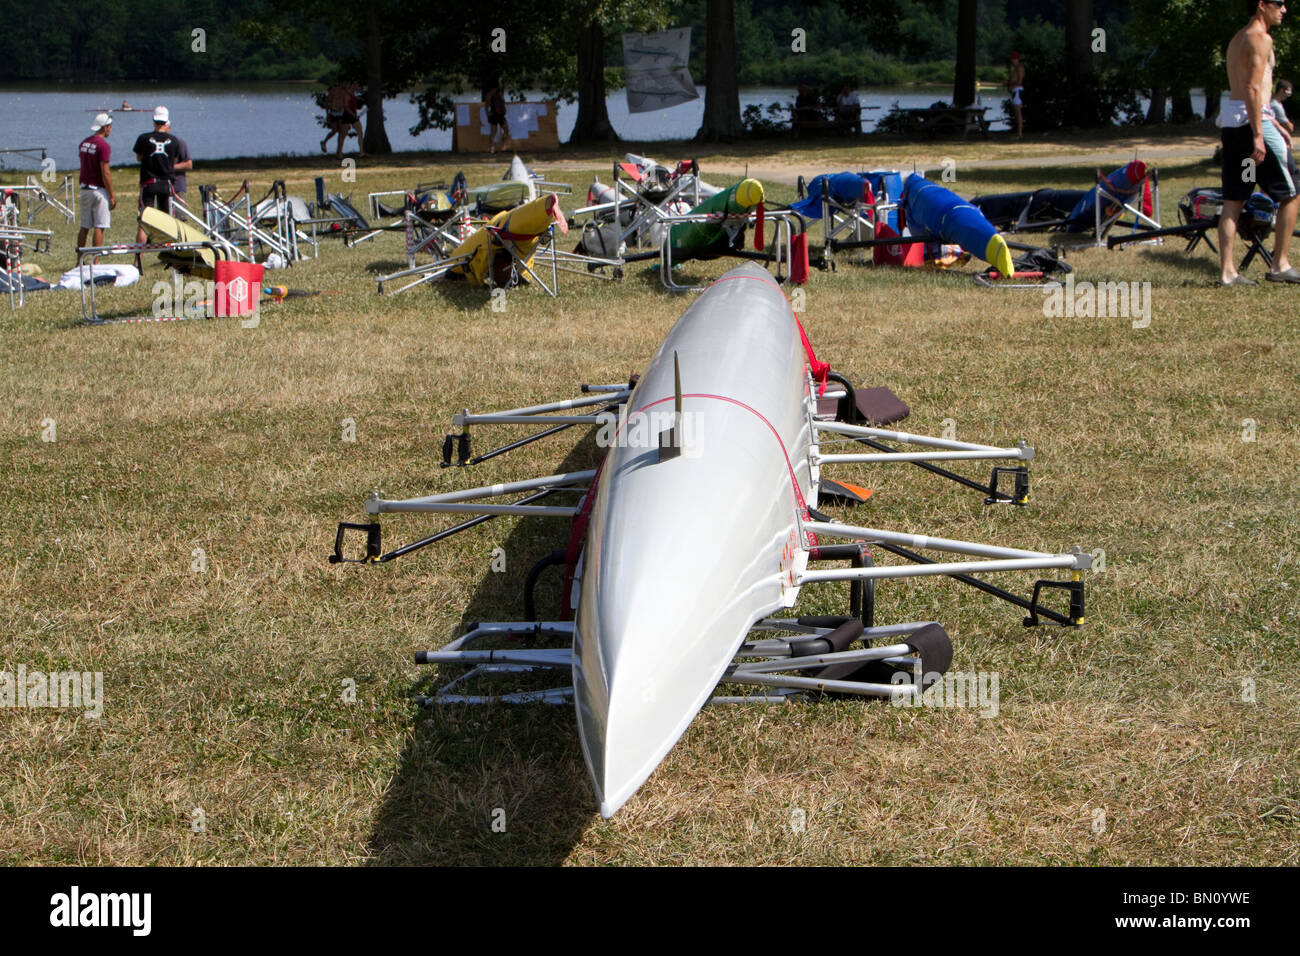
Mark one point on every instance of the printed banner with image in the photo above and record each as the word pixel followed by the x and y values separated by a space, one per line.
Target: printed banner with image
pixel 655 70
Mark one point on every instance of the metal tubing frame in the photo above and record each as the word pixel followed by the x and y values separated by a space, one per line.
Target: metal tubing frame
pixel 276 243
pixel 426 273
pixel 648 211
pixel 867 436
pixel 953 450
pixel 13 250
pixel 36 197
pixel 229 248
pixel 130 249
pixel 782 219
pixel 465 501
pixel 382 506
pixel 507 488
pixel 1102 224
pixel 998 558
pixel 769 671
pixel 1001 593
pixel 610 396
pixel 938 568
pixel 881 207
pixel 601 395
pixel 926 542
pixel 542 248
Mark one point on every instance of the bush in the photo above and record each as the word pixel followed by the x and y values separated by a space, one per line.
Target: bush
pixel 775 123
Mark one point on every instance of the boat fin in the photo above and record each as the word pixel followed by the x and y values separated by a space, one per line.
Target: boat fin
pixel 670 441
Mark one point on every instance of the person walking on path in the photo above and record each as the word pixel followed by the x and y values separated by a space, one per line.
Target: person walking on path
pixel 97 197
pixel 335 102
pixel 848 110
pixel 1016 86
pixel 342 110
pixel 497 120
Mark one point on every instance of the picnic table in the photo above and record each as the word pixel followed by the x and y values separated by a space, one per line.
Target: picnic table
pixel 823 120
pixel 945 121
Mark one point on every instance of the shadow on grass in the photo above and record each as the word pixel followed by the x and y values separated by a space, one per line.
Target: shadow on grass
pixel 385 266
pixel 495 784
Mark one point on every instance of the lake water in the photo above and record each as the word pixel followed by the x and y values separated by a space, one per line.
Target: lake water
pixel 219 121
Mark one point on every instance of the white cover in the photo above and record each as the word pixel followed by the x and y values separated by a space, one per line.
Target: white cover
pixel 655 70
pixel 123 275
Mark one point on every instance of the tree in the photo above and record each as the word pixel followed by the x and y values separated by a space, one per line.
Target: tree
pixel 293 23
pixel 721 87
pixel 593 115
pixel 1078 39
pixel 592 21
pixel 376 137
pixel 1185 42
pixel 963 88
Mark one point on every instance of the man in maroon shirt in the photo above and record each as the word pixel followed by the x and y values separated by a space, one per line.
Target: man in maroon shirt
pixel 97 198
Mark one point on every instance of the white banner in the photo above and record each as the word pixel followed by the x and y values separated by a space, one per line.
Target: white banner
pixel 655 69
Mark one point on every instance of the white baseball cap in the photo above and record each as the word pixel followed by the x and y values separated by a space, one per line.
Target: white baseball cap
pixel 160 115
pixel 101 120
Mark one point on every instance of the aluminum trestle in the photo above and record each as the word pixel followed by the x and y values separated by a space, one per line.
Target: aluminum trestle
pixel 764 663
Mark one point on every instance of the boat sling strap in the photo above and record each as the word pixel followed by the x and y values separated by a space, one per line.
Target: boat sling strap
pixel 819 369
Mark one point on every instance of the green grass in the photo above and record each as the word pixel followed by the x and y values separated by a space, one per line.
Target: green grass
pixel 224 689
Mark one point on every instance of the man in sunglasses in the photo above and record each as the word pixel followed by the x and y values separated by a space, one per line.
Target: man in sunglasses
pixel 1255 153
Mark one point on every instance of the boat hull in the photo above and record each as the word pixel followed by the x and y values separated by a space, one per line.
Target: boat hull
pixel 932 210
pixel 683 554
pixel 524 224
pixel 704 238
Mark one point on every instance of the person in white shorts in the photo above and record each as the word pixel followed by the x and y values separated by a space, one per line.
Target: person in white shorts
pixel 1016 86
pixel 97 198
pixel 1256 151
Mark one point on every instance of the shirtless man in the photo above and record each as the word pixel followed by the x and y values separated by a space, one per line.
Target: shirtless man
pixel 1016 86
pixel 1255 152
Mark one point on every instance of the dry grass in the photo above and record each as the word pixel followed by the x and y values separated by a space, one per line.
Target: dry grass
pixel 224 688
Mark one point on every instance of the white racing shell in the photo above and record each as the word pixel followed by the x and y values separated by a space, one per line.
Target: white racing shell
pixel 684 554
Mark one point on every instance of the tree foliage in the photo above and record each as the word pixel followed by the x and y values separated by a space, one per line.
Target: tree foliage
pixel 135 40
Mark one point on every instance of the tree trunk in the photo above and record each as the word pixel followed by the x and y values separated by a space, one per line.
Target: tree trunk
pixel 376 138
pixel 722 92
pixel 1182 105
pixel 1078 40
pixel 1213 94
pixel 1156 111
pixel 593 118
pixel 963 87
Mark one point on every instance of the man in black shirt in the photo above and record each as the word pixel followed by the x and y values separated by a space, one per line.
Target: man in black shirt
pixel 160 160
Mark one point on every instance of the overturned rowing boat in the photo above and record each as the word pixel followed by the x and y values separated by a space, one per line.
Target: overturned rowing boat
pixel 732 398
